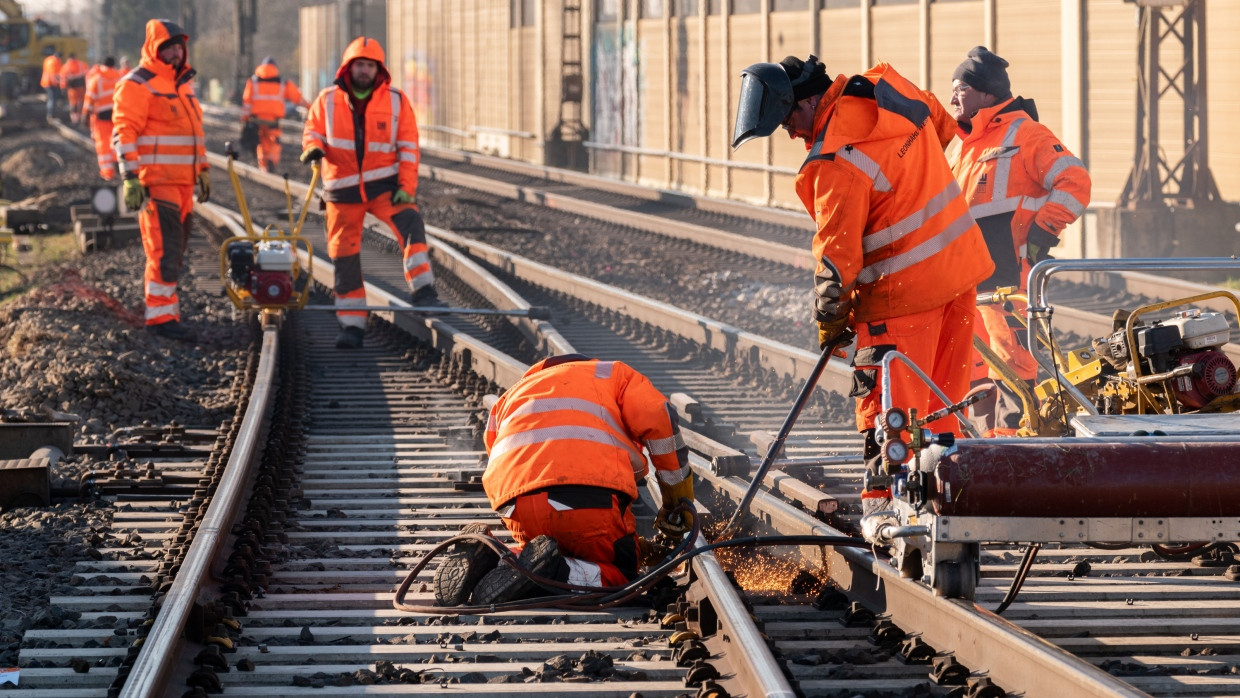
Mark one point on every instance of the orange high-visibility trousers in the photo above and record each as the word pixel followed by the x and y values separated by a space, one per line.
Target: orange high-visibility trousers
pixel 939 341
pixel 1000 331
pixel 268 150
pixel 594 527
pixel 164 224
pixel 101 133
pixel 344 246
pixel 77 95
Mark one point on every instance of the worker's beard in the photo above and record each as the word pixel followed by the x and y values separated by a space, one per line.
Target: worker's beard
pixel 363 83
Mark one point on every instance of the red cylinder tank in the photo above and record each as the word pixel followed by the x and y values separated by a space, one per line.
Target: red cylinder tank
pixel 1086 477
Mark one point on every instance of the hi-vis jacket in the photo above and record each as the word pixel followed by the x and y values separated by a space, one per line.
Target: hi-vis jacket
pixel 157 121
pixel 1021 183
pixel 73 74
pixel 890 216
pixel 51 72
pixel 100 86
pixel 370 151
pixel 266 92
pixel 572 420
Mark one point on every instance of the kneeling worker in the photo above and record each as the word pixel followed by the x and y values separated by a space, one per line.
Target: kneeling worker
pixel 565 445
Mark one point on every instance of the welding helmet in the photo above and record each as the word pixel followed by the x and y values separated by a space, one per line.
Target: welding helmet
pixel 769 91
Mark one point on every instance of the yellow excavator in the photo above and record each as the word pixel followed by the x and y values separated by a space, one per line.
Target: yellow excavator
pixel 24 43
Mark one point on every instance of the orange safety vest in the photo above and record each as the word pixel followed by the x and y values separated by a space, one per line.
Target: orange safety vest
pixel 1017 175
pixel 572 420
pixel 73 74
pixel 266 93
pixel 51 72
pixel 100 86
pixel 388 140
pixel 890 216
pixel 157 120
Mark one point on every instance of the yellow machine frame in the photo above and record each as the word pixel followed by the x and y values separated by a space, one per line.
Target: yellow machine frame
pixel 242 299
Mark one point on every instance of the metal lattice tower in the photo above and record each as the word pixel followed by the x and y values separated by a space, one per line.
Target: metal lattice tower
pixel 1154 179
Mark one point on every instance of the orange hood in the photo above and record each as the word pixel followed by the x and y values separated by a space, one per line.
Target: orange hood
pixel 267 71
pixel 362 47
pixel 157 32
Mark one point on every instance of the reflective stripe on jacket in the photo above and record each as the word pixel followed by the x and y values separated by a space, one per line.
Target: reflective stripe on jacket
pixel 1012 167
pixel 890 217
pixel 572 420
pixel 157 121
pixel 266 94
pixel 100 86
pixel 380 159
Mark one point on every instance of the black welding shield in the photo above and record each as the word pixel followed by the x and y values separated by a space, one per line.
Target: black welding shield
pixel 765 101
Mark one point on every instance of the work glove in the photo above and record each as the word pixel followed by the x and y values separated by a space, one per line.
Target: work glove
pixel 134 193
pixel 400 197
pixel 830 331
pixel 675 525
pixel 312 154
pixel 1039 243
pixel 832 302
pixel 204 187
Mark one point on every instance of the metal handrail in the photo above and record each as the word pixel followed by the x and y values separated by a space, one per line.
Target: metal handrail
pixel 156 658
pixel 897 356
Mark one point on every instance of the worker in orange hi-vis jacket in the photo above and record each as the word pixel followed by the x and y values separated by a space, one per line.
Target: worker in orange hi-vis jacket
pixel 364 132
pixel 1023 187
pixel 50 81
pixel 100 86
pixel 264 101
pixel 73 80
pixel 567 447
pixel 899 256
pixel 157 135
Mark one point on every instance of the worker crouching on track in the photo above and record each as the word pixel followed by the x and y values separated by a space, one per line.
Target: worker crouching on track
pixel 364 131
pixel 100 87
pixel 1023 187
pixel 565 445
pixel 157 134
pixel 264 102
pixel 898 255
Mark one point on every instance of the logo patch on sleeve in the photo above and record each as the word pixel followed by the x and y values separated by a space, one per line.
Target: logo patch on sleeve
pixel 1058 148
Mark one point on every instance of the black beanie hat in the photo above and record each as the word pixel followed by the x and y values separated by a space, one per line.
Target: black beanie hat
pixel 986 72
pixel 808 78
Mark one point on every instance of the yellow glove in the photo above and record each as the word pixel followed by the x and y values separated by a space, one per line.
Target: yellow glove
pixel 135 193
pixel 828 331
pixel 312 153
pixel 204 187
pixel 400 197
pixel 675 525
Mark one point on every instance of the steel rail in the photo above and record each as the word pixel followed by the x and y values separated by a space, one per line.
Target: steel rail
pixel 1013 657
pixel 155 659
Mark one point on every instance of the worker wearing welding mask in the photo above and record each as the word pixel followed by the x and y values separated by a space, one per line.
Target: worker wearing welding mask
pixel 566 455
pixel 160 147
pixel 898 255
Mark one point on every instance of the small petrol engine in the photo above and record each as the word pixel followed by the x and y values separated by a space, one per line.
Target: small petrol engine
pixel 263 270
pixel 1182 354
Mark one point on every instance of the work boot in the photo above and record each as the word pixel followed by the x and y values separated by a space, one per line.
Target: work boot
pixel 457 576
pixel 350 338
pixel 173 330
pixel 426 297
pixel 541 556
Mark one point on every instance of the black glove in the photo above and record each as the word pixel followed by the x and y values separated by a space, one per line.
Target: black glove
pixel 312 153
pixel 832 302
pixel 1039 243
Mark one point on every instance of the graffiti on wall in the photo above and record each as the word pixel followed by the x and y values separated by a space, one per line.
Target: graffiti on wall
pixel 417 83
pixel 616 85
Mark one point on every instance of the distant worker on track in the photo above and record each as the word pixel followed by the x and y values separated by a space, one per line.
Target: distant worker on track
pixel 73 80
pixel 364 132
pixel 100 88
pixel 158 137
pixel 1023 187
pixel 50 82
pixel 266 94
pixel 566 455
pixel 898 255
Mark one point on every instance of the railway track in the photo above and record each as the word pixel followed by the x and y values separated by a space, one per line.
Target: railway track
pixel 354 539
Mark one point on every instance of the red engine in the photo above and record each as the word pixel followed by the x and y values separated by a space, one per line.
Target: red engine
pixel 271 287
pixel 1213 375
